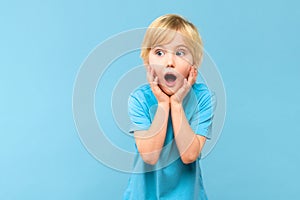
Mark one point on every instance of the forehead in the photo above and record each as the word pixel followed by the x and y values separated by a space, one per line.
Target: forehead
pixel 171 40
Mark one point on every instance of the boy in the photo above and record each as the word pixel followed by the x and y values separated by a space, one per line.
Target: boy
pixel 171 116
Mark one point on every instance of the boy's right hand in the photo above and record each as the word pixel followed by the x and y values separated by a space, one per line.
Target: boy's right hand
pixel 161 97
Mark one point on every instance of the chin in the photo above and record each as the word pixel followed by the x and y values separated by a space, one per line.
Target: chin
pixel 168 91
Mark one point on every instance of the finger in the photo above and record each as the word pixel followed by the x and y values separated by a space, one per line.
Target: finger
pixel 192 76
pixel 181 92
pixel 196 71
pixel 195 74
pixel 184 87
pixel 186 84
pixel 148 73
pixel 155 81
pixel 150 76
pixel 154 84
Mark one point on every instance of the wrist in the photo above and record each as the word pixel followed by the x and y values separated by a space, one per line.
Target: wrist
pixel 164 105
pixel 176 105
pixel 174 101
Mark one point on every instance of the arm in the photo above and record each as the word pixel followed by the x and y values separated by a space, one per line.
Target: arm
pixel 150 142
pixel 188 143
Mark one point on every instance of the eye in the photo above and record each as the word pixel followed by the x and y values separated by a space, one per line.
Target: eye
pixel 159 52
pixel 180 53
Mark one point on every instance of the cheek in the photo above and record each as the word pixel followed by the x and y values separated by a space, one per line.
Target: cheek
pixel 185 71
pixel 153 59
pixel 156 66
pixel 157 70
pixel 154 62
pixel 183 68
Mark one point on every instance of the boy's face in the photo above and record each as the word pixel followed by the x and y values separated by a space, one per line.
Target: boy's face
pixel 171 63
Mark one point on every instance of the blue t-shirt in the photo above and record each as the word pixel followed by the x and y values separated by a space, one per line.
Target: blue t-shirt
pixel 169 178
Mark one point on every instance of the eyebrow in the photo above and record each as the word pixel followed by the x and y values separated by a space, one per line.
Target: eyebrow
pixel 177 47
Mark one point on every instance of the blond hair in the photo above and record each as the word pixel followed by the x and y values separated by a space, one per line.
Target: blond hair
pixel 163 29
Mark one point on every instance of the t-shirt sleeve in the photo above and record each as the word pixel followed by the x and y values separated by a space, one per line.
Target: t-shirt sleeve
pixel 138 114
pixel 201 121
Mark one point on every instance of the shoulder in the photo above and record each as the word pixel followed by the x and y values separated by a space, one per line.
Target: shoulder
pixel 142 91
pixel 203 94
pixel 200 87
pixel 201 90
pixel 143 94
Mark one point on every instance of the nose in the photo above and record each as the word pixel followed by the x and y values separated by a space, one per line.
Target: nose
pixel 170 59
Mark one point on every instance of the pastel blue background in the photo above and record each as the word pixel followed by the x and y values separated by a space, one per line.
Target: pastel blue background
pixel 255 45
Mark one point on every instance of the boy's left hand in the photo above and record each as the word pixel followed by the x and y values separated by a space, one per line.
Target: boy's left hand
pixel 187 84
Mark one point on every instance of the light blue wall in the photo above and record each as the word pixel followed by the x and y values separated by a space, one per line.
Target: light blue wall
pixel 255 45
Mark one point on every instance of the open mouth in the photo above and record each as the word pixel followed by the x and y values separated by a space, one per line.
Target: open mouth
pixel 170 79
